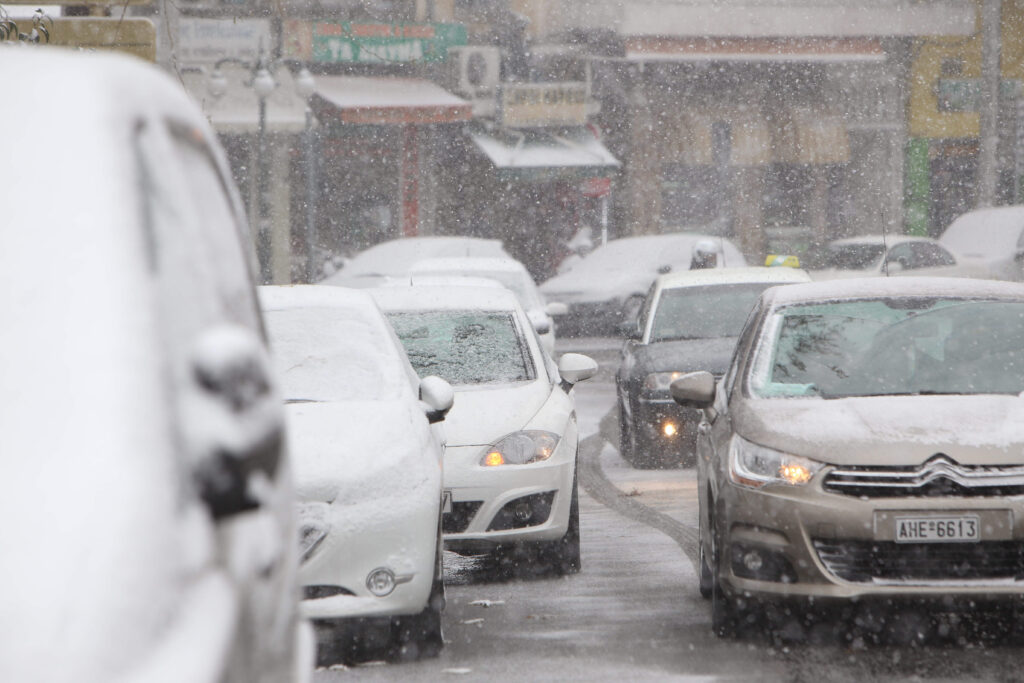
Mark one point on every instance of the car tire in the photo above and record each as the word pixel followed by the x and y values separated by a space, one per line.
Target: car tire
pixel 420 636
pixel 707 577
pixel 723 613
pixel 626 449
pixel 563 555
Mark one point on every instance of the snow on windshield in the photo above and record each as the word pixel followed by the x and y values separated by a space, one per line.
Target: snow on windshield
pixel 704 312
pixel 465 347
pixel 887 347
pixel 322 355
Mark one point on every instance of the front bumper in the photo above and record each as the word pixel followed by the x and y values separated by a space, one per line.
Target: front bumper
pixel 485 500
pixel 810 543
pixel 665 429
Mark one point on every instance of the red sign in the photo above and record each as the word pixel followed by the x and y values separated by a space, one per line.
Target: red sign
pixel 596 187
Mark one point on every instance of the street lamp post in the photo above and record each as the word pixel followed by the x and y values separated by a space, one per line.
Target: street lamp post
pixel 305 86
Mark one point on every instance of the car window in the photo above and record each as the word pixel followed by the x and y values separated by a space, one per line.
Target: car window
pixel 854 256
pixel 465 347
pixel 903 255
pixel 928 255
pixel 707 312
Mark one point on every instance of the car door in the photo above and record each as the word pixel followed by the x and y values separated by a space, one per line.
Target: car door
pixel 227 413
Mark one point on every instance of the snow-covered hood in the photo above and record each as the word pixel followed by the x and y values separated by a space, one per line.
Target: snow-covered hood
pixel 357 450
pixel 585 287
pixel 481 416
pixel 888 430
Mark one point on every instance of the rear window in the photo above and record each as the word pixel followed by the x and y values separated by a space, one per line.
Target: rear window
pixel 465 347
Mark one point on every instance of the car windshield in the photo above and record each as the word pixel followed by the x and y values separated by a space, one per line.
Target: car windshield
pixel 892 347
pixel 854 256
pixel 465 347
pixel 707 312
pixel 324 356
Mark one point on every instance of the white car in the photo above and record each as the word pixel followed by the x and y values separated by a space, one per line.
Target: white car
pixel 994 235
pixel 510 465
pixel 147 515
pixel 368 470
pixel 895 255
pixel 393 259
pixel 511 274
pixel 606 288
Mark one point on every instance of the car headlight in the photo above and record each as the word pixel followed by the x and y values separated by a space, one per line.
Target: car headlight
pixel 754 466
pixel 660 381
pixel 520 448
pixel 314 526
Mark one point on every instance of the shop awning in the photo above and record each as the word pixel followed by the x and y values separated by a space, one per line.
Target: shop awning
pixel 237 110
pixel 545 155
pixel 379 100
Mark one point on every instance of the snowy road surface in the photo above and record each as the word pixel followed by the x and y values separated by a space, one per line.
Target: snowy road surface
pixel 634 613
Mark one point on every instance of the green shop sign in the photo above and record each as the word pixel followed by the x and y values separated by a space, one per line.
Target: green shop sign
pixel 374 43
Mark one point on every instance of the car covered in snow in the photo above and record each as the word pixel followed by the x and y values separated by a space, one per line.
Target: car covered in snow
pixel 865 451
pixel 607 287
pixel 689 320
pixel 511 274
pixel 367 471
pixel 147 518
pixel 891 255
pixel 393 259
pixel 994 235
pixel 510 464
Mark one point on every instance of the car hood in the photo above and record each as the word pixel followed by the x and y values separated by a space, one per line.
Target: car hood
pixel 482 415
pixel 686 355
pixel 888 430
pixel 356 450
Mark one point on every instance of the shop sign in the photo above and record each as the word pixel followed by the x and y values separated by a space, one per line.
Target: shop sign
pixel 370 43
pixel 202 41
pixel 526 105
pixel 134 35
pixel 596 187
pixel 964 94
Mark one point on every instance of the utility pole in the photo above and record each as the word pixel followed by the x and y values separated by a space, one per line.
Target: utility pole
pixel 988 106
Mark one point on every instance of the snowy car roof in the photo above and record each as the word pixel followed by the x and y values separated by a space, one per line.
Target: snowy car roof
pixel 986 232
pixel 889 287
pixel 283 297
pixel 396 257
pixel 470 265
pixel 722 276
pixel 888 240
pixel 435 298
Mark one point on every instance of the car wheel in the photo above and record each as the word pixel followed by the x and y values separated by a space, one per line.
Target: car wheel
pixel 723 613
pixel 707 577
pixel 563 555
pixel 625 438
pixel 419 636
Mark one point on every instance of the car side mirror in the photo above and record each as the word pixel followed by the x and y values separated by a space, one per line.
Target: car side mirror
pixel 574 368
pixel 666 268
pixel 436 398
pixel 694 390
pixel 556 308
pixel 540 321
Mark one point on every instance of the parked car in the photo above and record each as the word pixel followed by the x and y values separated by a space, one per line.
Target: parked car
pixel 147 516
pixel 607 286
pixel 864 450
pixel 393 259
pixel 368 472
pixel 510 465
pixel 511 274
pixel 689 320
pixel 993 235
pixel 892 255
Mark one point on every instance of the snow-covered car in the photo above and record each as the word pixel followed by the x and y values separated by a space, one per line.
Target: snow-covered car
pixel 393 259
pixel 891 255
pixel 689 320
pixel 994 235
pixel 147 518
pixel 511 274
pixel 607 286
pixel 865 448
pixel 367 471
pixel 510 465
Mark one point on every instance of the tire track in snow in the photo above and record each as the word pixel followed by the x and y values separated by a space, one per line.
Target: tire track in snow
pixel 601 489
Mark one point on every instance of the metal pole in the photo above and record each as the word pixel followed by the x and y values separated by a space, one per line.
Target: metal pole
pixel 604 219
pixel 311 180
pixel 263 210
pixel 989 105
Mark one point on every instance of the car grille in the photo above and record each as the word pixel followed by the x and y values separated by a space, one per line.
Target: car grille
pixel 940 476
pixel 457 521
pixel 882 561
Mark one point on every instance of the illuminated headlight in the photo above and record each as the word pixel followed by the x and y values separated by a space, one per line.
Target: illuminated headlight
pixel 659 382
pixel 754 466
pixel 313 527
pixel 520 448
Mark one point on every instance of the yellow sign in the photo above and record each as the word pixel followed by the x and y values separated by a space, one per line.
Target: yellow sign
pixel 787 260
pixel 134 35
pixel 543 104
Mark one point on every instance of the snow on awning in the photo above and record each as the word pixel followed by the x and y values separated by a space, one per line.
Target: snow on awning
pixel 545 155
pixel 377 100
pixel 816 50
pixel 237 110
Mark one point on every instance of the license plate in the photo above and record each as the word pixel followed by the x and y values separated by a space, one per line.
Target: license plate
pixel 446 502
pixel 949 529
